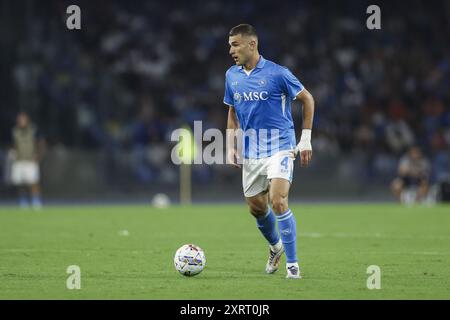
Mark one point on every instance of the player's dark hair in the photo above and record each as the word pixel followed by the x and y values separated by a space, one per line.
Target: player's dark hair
pixel 243 29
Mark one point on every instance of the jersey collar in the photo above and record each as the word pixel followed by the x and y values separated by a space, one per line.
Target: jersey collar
pixel 261 62
pixel 259 65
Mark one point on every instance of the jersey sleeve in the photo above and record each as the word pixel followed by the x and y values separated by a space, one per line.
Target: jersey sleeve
pixel 290 85
pixel 228 96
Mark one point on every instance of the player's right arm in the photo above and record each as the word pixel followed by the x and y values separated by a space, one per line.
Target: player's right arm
pixel 232 126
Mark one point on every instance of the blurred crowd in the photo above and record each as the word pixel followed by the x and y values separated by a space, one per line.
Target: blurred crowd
pixel 138 70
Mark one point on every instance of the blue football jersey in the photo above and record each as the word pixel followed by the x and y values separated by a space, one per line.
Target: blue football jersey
pixel 262 101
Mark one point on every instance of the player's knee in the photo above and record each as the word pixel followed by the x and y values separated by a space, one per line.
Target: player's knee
pixel 423 188
pixel 423 184
pixel 396 186
pixel 279 204
pixel 257 211
pixel 257 208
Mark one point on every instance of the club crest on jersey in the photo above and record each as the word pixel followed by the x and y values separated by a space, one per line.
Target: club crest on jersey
pixel 237 97
pixel 262 82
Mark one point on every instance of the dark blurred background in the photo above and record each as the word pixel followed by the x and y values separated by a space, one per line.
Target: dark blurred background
pixel 107 97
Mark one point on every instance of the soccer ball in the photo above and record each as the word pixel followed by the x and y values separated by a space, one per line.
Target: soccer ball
pixel 189 260
pixel 161 200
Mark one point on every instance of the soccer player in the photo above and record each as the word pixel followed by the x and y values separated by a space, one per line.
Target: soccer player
pixel 258 93
pixel 27 149
pixel 413 173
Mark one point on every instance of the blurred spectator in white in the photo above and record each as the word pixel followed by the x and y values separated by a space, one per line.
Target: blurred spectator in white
pixel 27 151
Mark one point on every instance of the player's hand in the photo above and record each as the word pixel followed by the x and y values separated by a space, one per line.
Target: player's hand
pixel 304 147
pixel 233 158
pixel 305 153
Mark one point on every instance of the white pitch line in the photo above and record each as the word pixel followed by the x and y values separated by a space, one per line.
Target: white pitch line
pixel 374 235
pixel 424 253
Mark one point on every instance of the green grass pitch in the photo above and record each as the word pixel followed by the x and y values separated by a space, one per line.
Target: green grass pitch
pixel 336 244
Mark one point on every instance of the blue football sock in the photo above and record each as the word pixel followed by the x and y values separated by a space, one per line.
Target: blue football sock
pixel 288 231
pixel 266 225
pixel 23 201
pixel 36 201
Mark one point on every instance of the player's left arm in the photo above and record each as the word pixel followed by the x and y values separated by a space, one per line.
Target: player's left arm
pixel 304 146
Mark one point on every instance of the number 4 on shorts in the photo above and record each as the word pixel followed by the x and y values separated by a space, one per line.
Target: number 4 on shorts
pixel 284 163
